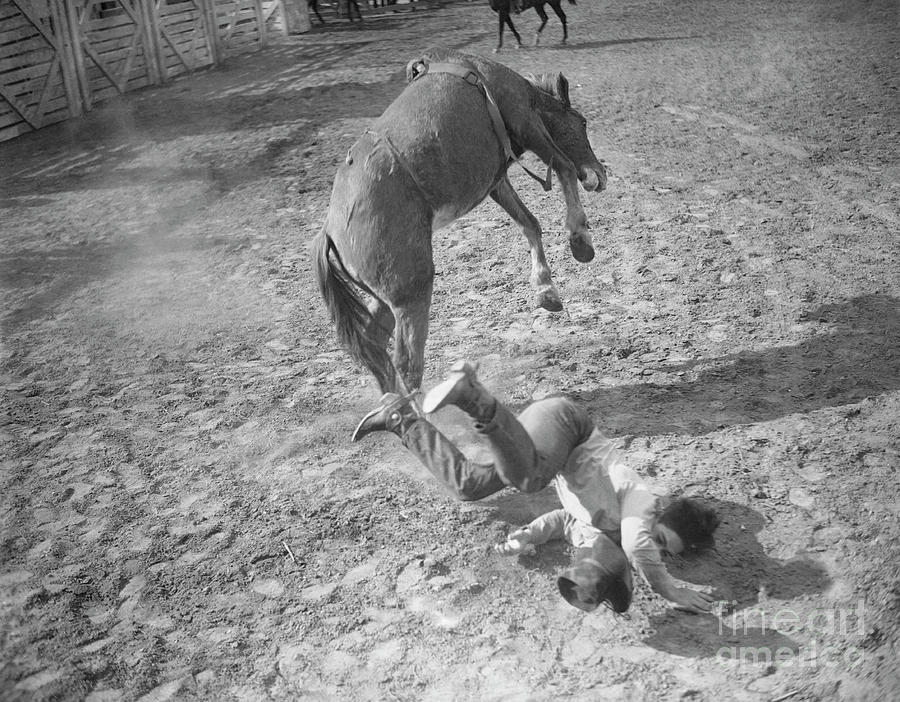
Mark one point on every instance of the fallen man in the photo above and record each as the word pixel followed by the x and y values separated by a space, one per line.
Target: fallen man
pixel 608 513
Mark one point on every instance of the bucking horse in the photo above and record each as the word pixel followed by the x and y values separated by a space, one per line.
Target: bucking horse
pixel 438 150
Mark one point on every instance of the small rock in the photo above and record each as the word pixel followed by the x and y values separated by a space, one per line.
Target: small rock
pixel 801 498
pixel 268 588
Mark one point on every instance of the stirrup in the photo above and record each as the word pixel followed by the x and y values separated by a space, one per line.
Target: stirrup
pixel 446 392
pixel 387 416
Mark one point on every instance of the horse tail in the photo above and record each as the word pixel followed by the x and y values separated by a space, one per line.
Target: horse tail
pixel 348 310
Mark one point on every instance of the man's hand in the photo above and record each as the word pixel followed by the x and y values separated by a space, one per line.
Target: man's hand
pixel 516 544
pixel 692 601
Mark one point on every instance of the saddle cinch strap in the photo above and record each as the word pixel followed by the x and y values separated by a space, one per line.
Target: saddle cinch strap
pixel 470 75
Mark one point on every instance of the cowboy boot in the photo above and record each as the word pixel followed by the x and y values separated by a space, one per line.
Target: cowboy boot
pixel 461 388
pixel 395 414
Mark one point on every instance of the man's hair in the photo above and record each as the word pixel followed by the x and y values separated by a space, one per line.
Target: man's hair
pixel 694 523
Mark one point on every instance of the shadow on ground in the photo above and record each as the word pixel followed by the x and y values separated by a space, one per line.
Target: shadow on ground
pixel 857 357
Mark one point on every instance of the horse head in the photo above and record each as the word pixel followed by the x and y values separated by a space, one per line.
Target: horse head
pixel 568 129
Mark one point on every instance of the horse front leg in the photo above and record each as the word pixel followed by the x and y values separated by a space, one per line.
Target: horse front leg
pixel 580 241
pixel 538 140
pixel 546 293
pixel 512 28
pixel 504 20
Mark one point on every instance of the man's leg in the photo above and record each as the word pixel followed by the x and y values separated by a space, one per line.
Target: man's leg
pixel 465 479
pixel 528 451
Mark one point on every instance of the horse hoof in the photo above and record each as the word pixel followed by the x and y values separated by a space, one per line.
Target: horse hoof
pixel 550 301
pixel 581 250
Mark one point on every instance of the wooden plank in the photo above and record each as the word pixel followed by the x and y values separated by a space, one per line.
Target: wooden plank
pixel 49 84
pixel 8 11
pixel 14 131
pixel 17 28
pixel 27 10
pixel 24 67
pixel 101 64
pixel 24 45
pixel 129 58
pixel 118 30
pixel 129 10
pixel 18 106
pixel 183 23
pixel 8 116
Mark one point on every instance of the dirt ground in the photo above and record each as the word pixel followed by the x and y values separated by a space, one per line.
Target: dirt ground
pixel 183 514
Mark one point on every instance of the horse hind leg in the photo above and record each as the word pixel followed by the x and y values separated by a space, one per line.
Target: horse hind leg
pixel 379 330
pixel 562 18
pixel 547 295
pixel 410 336
pixel 543 15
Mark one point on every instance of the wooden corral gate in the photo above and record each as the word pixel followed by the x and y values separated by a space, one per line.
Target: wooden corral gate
pixel 60 57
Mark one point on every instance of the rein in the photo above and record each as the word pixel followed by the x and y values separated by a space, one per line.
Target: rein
pixel 471 77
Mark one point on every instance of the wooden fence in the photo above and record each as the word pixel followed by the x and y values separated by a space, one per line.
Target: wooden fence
pixel 60 57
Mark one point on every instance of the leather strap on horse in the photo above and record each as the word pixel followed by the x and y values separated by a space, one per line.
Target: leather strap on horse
pixel 470 75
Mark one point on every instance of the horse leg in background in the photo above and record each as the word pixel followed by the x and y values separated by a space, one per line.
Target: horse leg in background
pixel 505 19
pixel 557 8
pixel 353 3
pixel 410 336
pixel 543 15
pixel 547 294
pixel 314 6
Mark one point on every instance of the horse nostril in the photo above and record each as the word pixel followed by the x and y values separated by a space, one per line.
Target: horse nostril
pixel 591 181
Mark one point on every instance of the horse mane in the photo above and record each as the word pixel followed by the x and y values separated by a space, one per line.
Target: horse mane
pixel 548 83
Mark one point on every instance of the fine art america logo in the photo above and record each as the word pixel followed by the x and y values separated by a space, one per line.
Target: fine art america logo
pixel 756 636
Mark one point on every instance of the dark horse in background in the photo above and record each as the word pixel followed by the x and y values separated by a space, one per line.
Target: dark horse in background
pixel 438 150
pixel 504 7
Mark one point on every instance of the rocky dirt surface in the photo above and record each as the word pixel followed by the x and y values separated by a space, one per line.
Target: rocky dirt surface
pixel 183 515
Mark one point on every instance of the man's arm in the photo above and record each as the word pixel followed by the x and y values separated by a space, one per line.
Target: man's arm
pixel 643 551
pixel 545 528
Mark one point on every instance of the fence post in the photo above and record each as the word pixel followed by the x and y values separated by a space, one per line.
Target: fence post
pixel 260 22
pixel 296 16
pixel 215 44
pixel 153 41
pixel 84 82
pixel 64 49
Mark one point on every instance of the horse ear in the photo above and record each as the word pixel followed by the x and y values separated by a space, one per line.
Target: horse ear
pixel 562 89
pixel 414 69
